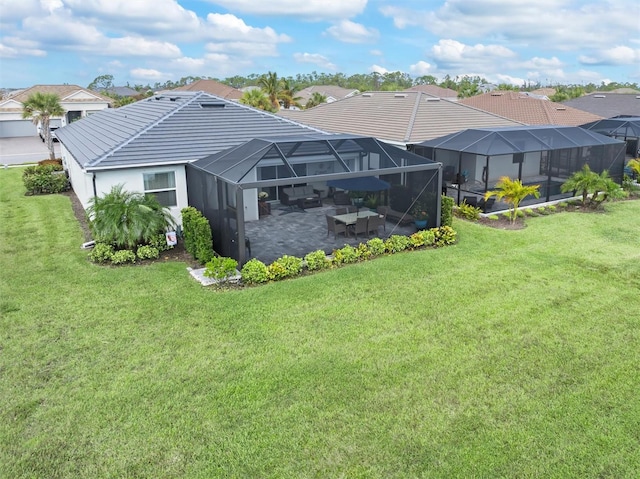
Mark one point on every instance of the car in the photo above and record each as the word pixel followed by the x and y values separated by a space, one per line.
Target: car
pixel 52 129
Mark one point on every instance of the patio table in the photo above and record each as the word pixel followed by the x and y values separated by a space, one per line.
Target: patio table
pixel 350 218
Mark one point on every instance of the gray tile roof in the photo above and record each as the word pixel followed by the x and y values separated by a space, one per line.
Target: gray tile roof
pixel 173 128
pixel 607 104
pixel 397 117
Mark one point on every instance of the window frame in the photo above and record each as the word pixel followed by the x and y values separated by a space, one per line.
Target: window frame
pixel 153 191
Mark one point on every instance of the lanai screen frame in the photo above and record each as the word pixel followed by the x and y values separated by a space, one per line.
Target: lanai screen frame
pixel 558 150
pixel 221 184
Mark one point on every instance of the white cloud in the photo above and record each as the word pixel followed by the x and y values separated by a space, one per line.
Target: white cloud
pixel 376 53
pixel 351 32
pixel 230 27
pixel 129 46
pixel 244 49
pixel 421 68
pixel 12 47
pixel 619 55
pixel 510 80
pixel 147 74
pixel 378 69
pixel 310 9
pixel 315 59
pixel 452 54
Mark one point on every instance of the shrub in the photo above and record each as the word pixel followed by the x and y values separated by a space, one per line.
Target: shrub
pixel 346 254
pixel 197 235
pixel 551 208
pixel 446 210
pixel 123 256
pixel 362 252
pixel 101 253
pixel 45 179
pixel 428 236
pixel 57 162
pixel 376 246
pixel 317 260
pixel 254 271
pixel 445 235
pixel 563 204
pixel 519 214
pixel 396 243
pixel 468 212
pixel 493 217
pixel 159 241
pixel 542 210
pixel 220 268
pixel 285 267
pixel 147 252
pixel 529 212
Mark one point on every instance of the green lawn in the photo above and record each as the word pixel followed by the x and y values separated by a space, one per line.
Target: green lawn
pixel 510 354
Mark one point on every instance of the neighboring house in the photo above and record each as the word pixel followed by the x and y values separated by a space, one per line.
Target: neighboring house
pixel 331 92
pixel 213 88
pixel 607 104
pixel 398 118
pixel 146 145
pixel 435 90
pixel 77 102
pixel 123 91
pixel 528 109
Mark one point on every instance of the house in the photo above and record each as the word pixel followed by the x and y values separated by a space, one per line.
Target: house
pixel 120 91
pixel 213 88
pixel 330 92
pixel 529 109
pixel 146 145
pixel 435 90
pixel 607 104
pixel 399 118
pixel 77 102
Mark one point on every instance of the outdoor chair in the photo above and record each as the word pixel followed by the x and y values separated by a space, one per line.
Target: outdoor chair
pixel 333 225
pixel 352 209
pixel 471 200
pixel 361 226
pixel 486 205
pixel 341 211
pixel 341 198
pixel 375 222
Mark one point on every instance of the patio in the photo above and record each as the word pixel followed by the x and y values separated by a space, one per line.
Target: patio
pixel 298 232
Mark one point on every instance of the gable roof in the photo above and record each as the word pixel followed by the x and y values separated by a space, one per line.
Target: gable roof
pixel 528 109
pixel 212 87
pixel 435 90
pixel 67 93
pixel 332 92
pixel 607 105
pixel 396 117
pixel 169 129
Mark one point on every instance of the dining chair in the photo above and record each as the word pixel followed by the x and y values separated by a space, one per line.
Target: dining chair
pixel 361 226
pixel 333 225
pixel 375 222
pixel 341 211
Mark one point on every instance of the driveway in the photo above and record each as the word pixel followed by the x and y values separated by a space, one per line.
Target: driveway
pixel 27 149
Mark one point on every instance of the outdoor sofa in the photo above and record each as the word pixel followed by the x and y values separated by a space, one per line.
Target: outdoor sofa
pixel 291 195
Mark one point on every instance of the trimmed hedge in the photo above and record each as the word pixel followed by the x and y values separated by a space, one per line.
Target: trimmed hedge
pixel 45 179
pixel 197 235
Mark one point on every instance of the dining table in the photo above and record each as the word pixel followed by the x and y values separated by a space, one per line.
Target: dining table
pixel 349 219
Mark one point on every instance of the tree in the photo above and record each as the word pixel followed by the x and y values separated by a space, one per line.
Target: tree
pixel 40 107
pixel 101 83
pixel 513 192
pixel 271 86
pixel 601 186
pixel 288 94
pixel 126 219
pixel 316 99
pixel 257 99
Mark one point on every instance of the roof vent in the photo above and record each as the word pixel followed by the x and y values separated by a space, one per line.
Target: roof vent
pixel 561 108
pixel 433 98
pixel 599 96
pixel 367 95
pixel 400 95
pixel 638 97
pixel 213 104
pixel 496 93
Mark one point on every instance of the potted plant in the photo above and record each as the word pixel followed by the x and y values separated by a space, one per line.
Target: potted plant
pixel 420 214
pixel 263 195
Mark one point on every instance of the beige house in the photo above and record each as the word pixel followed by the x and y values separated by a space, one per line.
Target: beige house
pixel 213 88
pixel 77 102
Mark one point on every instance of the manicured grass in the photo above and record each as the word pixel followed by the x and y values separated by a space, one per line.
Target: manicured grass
pixel 510 354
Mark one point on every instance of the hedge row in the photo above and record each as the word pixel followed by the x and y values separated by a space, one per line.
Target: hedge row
pixel 197 235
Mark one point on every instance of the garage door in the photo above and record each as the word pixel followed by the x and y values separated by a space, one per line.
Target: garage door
pixel 11 128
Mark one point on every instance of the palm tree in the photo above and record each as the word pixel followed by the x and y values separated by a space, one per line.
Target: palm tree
pixel 127 219
pixel 257 99
pixel 316 99
pixel 40 107
pixel 606 189
pixel 584 181
pixel 513 192
pixel 288 94
pixel 271 86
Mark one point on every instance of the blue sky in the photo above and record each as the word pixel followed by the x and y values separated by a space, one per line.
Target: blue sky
pixel 148 41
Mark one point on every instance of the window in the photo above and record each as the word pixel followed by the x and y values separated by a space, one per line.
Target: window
pixel 162 186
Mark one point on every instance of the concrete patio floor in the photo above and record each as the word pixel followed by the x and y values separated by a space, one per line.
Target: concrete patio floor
pixel 296 232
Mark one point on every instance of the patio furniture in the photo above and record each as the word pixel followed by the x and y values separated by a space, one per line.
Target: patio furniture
pixel 471 200
pixel 291 195
pixel 311 202
pixel 335 227
pixel 341 198
pixel 375 222
pixel 486 205
pixel 361 226
pixel 341 211
pixel 382 211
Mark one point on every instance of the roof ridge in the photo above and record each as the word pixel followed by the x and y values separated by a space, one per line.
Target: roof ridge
pixel 414 114
pixel 147 128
